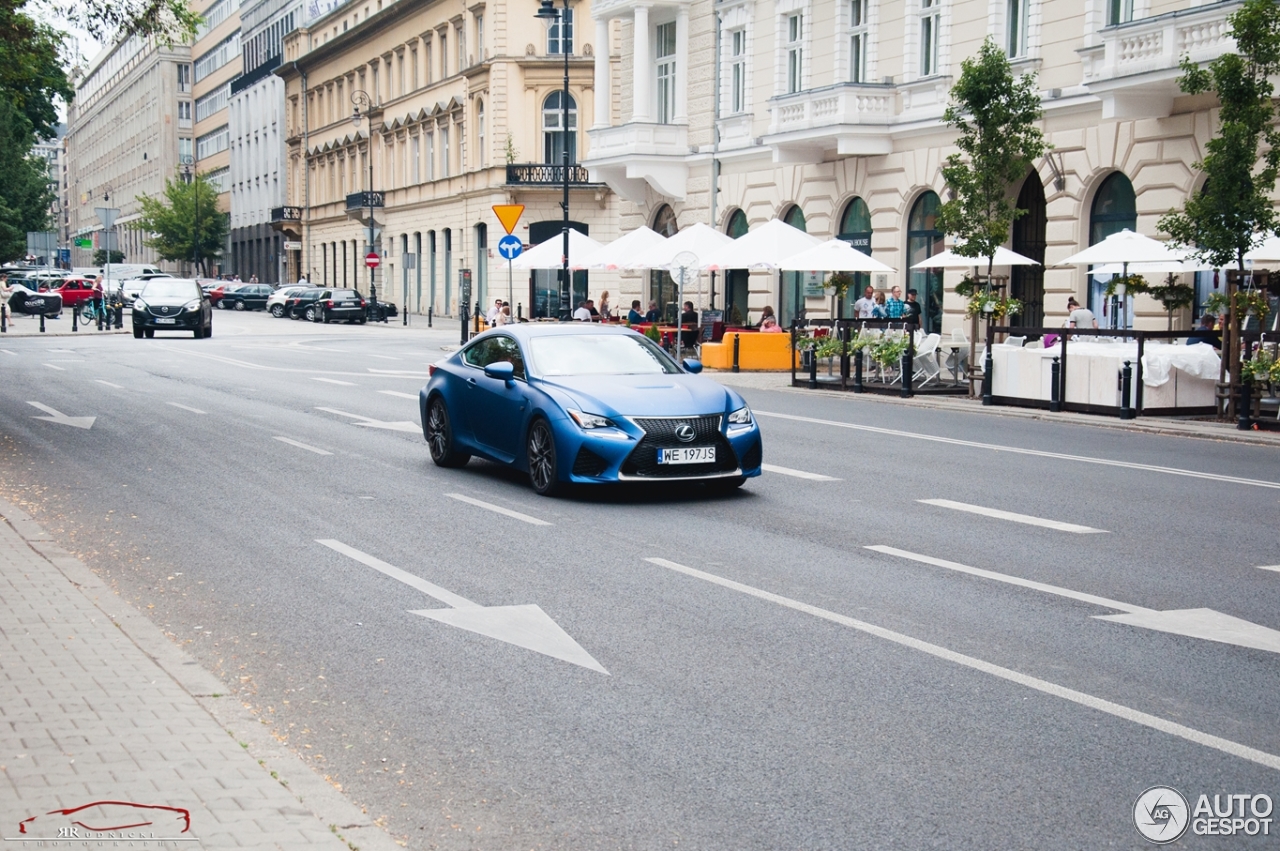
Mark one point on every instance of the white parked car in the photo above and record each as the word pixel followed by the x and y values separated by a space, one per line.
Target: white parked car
pixel 275 303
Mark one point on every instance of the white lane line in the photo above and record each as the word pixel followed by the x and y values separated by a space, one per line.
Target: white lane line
pixel 1011 580
pixel 1117 710
pixel 7 352
pixel 1275 567
pixel 186 408
pixel 398 394
pixel 384 357
pixel 108 383
pixel 489 506
pixel 1014 517
pixel 407 373
pixel 1084 459
pixel 799 474
pixel 58 368
pixel 293 442
pixel 430 589
pixel 333 381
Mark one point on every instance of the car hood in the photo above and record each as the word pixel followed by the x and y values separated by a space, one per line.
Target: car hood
pixel 167 300
pixel 644 395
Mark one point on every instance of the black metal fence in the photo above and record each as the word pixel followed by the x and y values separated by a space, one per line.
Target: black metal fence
pixel 811 339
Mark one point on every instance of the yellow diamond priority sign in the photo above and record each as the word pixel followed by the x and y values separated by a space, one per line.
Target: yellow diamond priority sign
pixel 508 214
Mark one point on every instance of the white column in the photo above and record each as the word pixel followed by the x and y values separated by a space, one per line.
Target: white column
pixel 603 85
pixel 682 66
pixel 642 70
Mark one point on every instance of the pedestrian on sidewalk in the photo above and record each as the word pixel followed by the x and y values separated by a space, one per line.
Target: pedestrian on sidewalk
pixel 865 307
pixel 895 304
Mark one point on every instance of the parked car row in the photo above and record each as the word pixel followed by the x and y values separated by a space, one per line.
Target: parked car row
pixel 322 304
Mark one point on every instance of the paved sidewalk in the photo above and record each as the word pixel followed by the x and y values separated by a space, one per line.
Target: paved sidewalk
pixel 97 705
pixel 29 326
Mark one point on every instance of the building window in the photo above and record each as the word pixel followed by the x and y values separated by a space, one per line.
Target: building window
pixel 555 139
pixel 1119 12
pixel 662 287
pixel 212 60
pixel 462 47
pixel 560 38
pixel 791 299
pixel 795 52
pixel 483 157
pixel 184 113
pixel 858 33
pixel 444 56
pixel 219 178
pixel 184 77
pixel 1114 209
pixel 1016 27
pixel 184 150
pixel 417 159
pixel 213 102
pixel 480 38
pixel 737 72
pixel 213 142
pixel 855 229
pixel 214 15
pixel 444 151
pixel 431 156
pixel 930 22
pixel 413 68
pixel 923 241
pixel 666 58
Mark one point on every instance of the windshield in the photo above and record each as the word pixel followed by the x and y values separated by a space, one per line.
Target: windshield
pixel 598 354
pixel 170 288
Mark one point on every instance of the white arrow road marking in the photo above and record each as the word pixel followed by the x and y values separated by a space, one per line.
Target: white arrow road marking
pixel 398 394
pixel 403 425
pixel 489 506
pixel 7 352
pixel 59 368
pixel 1115 709
pixel 1194 623
pixel 1084 459
pixel 1275 567
pixel 799 474
pixel 293 442
pixel 525 626
pixel 108 383
pixel 61 418
pixel 333 381
pixel 1016 518
pixel 186 408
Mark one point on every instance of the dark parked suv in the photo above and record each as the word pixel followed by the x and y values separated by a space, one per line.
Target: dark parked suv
pixel 347 305
pixel 172 304
pixel 303 305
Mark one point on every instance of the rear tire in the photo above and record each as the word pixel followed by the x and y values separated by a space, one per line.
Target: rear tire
pixel 544 473
pixel 438 431
pixel 277 310
pixel 310 314
pixel 239 305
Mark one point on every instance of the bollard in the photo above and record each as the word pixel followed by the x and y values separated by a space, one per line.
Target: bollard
pixel 519 311
pixel 1126 387
pixel 857 371
pixel 119 315
pixel 101 310
pixel 1243 419
pixel 462 316
pixel 42 322
pixel 908 372
pixel 736 339
pixel 405 314
pixel 813 368
pixel 429 309
pixel 1055 377
pixel 4 318
pixel 75 321
pixel 986 378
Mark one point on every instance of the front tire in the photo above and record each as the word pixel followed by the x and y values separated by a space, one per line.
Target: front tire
pixel 310 314
pixel 239 305
pixel 277 310
pixel 149 333
pixel 137 333
pixel 439 435
pixel 544 473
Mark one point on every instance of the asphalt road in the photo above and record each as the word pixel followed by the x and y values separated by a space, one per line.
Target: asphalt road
pixel 771 682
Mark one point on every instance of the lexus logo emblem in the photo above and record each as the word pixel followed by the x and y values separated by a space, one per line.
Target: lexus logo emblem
pixel 685 433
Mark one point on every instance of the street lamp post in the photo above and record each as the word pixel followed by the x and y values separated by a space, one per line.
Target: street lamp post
pixel 360 100
pixel 188 169
pixel 548 13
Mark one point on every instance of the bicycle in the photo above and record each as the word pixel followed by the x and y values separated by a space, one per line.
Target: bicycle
pixel 92 309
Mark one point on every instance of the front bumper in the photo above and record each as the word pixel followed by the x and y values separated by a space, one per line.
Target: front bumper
pixel 629 453
pixel 184 321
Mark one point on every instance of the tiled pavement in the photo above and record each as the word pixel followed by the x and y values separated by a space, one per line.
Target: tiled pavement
pixel 96 704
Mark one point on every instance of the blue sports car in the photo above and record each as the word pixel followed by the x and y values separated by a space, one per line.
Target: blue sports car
pixel 579 403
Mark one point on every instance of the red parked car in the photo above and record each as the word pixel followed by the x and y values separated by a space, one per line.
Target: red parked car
pixel 74 291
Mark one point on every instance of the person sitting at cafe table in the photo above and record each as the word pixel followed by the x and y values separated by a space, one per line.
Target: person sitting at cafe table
pixel 1079 317
pixel 1205 333
pixel 634 315
pixel 688 317
pixel 582 314
pixel 654 315
pixel 769 322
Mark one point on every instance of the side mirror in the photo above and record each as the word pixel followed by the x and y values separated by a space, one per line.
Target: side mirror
pixel 692 365
pixel 501 370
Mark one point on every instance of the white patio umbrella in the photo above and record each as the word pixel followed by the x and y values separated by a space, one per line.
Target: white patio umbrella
pixel 950 260
pixel 619 253
pixel 834 255
pixel 698 238
pixel 763 248
pixel 1267 251
pixel 550 254
pixel 1124 248
pixel 1165 268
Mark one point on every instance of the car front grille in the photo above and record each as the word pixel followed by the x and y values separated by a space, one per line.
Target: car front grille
pixel 660 433
pixel 588 463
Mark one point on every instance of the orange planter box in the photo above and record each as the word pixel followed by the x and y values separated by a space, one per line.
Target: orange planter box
pixel 756 351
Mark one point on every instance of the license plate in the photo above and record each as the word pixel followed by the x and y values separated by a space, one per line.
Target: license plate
pixel 168 321
pixel 687 455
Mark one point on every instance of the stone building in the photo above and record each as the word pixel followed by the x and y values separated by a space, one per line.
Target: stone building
pixel 215 64
pixel 829 116
pixel 125 129
pixel 464 113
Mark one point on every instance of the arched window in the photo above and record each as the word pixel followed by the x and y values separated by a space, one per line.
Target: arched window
pixel 791 297
pixel 1026 283
pixel 855 229
pixel 736 281
pixel 662 287
pixel 923 241
pixel 554 135
pixel 1115 208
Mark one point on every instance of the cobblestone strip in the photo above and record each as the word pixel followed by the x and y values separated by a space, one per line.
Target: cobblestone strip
pixel 96 704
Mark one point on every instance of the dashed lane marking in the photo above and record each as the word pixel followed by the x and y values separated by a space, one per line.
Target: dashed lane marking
pixel 398 394
pixel 317 450
pixel 1013 516
pixel 799 474
pixel 333 381
pixel 498 509
pixel 108 383
pixel 187 408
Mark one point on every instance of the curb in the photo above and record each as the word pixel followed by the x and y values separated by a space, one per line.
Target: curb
pixel 329 806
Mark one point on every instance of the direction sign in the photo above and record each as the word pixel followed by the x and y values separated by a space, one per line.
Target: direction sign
pixel 508 215
pixel 510 247
pixel 372 260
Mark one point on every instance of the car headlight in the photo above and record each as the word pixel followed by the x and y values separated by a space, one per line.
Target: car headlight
pixel 192 305
pixel 139 304
pixel 742 416
pixel 588 421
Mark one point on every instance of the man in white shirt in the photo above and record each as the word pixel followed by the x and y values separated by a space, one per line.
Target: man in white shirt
pixel 865 307
pixel 1080 317
pixel 582 314
pixel 492 315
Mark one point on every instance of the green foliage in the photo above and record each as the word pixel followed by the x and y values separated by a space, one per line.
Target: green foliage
pixel 1173 294
pixel 840 283
pixel 24 185
pixel 187 224
pixel 509 150
pixel 1220 223
pixel 1133 284
pixel 652 333
pixel 169 21
pixel 889 349
pixel 999 305
pixel 100 257
pixel 31 68
pixel 1246 302
pixel 998 143
pixel 1262 368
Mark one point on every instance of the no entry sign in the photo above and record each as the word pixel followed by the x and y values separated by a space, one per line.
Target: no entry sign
pixel 372 260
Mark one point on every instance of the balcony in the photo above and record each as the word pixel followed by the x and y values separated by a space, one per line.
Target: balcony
pixel 1134 70
pixel 849 119
pixel 542 174
pixel 287 219
pixel 633 158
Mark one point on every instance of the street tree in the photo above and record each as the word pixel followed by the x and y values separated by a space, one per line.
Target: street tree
pixel 32 77
pixel 100 257
pixel 25 195
pixel 1221 222
pixel 996 117
pixel 186 224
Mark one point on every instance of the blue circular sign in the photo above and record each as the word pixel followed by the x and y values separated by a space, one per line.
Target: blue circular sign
pixel 510 247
